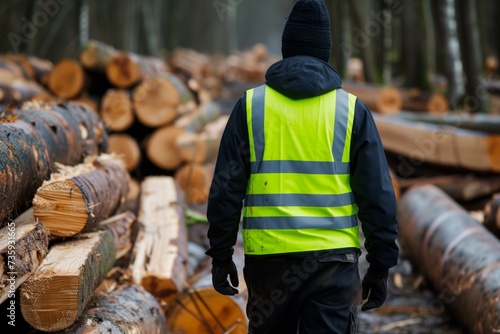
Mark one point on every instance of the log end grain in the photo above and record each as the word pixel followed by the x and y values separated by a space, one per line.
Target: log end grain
pixel 389 101
pixel 156 101
pixel 223 310
pixel 195 181
pixel 67 79
pixel 126 148
pixel 116 110
pixel 161 148
pixel 493 151
pixel 123 71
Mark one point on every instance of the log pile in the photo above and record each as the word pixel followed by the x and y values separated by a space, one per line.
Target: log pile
pixel 166 118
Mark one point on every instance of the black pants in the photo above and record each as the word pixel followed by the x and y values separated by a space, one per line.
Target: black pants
pixel 302 295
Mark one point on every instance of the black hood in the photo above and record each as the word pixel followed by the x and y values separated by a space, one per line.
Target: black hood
pixel 302 77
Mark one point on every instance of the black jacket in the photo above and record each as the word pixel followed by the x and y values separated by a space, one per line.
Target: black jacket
pixel 297 78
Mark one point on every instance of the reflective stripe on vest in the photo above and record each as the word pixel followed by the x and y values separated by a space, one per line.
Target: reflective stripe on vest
pixel 299 196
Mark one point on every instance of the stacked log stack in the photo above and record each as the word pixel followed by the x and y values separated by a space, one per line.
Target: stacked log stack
pixel 82 216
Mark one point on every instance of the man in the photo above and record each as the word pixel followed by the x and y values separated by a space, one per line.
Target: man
pixel 301 153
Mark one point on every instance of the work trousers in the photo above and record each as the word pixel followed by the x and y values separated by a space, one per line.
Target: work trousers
pixel 290 295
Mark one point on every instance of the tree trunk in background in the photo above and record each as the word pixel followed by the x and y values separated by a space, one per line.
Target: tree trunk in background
pixel 338 24
pixel 414 57
pixel 477 97
pixel 447 27
pixel 364 40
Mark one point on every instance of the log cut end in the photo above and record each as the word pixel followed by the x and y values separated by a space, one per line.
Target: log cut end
pixel 204 311
pixel 123 71
pixel 126 148
pixel 116 110
pixel 389 101
pixel 161 148
pixel 61 208
pixel 195 180
pixel 493 152
pixel 67 79
pixel 437 104
pixel 156 101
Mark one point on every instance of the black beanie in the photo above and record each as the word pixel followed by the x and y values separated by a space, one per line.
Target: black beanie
pixel 307 31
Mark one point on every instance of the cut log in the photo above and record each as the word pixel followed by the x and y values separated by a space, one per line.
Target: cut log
pixel 56 294
pixel 116 110
pixel 189 61
pixel 160 256
pixel 416 100
pixel 121 229
pixel 161 147
pixel 77 198
pixel 441 145
pixel 478 122
pixel 159 100
pixel 125 70
pixel 459 187
pixel 195 180
pixel 128 309
pixel 24 243
pixel 200 309
pixel 385 100
pixel 96 55
pixel 202 147
pixel 10 70
pixel 126 148
pixel 33 140
pixel 23 63
pixel 458 255
pixel 67 79
pixel 19 91
pixel 492 215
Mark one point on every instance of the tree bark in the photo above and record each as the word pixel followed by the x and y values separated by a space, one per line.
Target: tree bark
pixel 159 258
pixel 128 309
pixel 445 146
pixel 56 294
pixel 477 96
pixel 121 229
pixel 24 243
pixel 32 140
pixel 18 91
pixel 445 13
pixel 96 55
pixel 455 253
pixel 77 198
pixel 492 216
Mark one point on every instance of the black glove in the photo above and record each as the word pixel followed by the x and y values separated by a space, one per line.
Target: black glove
pixel 375 289
pixel 219 278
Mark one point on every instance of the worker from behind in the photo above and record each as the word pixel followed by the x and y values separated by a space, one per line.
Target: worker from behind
pixel 301 158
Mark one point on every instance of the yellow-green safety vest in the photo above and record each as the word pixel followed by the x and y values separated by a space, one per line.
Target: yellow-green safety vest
pixel 298 196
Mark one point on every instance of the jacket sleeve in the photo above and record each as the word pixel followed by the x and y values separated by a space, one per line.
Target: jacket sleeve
pixel 228 188
pixel 372 188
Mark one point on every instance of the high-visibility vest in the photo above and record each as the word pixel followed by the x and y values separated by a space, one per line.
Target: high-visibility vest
pixel 298 196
